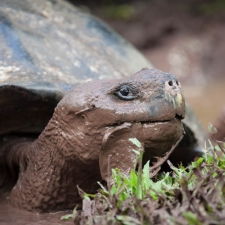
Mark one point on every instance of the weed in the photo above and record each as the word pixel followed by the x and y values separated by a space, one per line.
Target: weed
pixel 193 195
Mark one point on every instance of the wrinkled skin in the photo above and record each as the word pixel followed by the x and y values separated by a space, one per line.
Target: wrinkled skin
pixel 91 124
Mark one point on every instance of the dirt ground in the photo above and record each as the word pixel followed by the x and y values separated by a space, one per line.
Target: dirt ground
pixel 186 38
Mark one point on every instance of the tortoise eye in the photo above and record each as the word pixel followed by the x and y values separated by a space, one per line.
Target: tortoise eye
pixel 125 92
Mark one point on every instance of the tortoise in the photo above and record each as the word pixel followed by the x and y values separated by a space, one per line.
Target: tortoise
pixel 69 105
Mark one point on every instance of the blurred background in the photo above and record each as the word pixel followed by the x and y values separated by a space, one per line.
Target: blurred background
pixel 186 38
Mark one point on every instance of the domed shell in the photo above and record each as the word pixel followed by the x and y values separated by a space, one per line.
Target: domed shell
pixel 47 47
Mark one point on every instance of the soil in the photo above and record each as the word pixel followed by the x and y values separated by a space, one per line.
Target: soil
pixel 185 38
pixel 10 215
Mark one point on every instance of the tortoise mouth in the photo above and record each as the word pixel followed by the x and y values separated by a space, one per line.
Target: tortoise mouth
pixel 178 117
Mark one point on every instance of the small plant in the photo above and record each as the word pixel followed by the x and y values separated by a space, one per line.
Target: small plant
pixel 193 195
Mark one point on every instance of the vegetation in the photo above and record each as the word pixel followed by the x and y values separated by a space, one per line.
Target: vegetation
pixel 194 195
pixel 120 11
pixel 212 7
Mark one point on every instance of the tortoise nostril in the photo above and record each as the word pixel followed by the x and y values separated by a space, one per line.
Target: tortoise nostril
pixel 170 83
pixel 174 83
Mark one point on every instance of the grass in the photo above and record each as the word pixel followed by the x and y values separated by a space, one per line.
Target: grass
pixel 194 195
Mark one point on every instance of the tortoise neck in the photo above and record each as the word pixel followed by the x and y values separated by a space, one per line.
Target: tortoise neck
pixel 51 177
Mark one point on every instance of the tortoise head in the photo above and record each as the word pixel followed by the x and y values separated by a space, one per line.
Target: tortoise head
pixel 102 116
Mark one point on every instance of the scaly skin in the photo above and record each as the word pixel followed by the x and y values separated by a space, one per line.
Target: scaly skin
pixel 49 181
pixel 91 123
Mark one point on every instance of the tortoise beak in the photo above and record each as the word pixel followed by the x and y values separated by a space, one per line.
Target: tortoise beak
pixel 167 102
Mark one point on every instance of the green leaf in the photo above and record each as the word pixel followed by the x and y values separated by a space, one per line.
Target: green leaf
pixel 135 142
pixel 191 218
pixel 66 217
pixel 128 220
pixel 114 190
pixel 139 185
pixel 87 196
pixel 217 148
pixel 102 187
pixel 146 176
pixel 212 129
pixel 136 152
pixel 197 163
pixel 123 196
pixel 133 178
pixel 214 174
